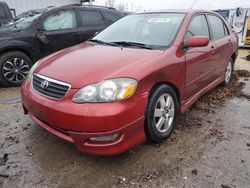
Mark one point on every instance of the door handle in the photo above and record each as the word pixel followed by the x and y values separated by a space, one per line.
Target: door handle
pixel 212 50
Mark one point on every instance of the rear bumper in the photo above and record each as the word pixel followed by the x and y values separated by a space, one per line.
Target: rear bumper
pixel 78 123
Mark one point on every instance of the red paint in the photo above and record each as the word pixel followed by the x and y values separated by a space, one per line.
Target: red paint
pixel 192 72
pixel 197 41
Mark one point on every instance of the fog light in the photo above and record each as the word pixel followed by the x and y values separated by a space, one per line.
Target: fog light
pixel 104 138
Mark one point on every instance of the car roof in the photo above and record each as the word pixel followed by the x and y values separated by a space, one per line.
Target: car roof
pixel 185 11
pixel 86 6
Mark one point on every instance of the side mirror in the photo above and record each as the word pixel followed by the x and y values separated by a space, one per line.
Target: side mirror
pixel 196 41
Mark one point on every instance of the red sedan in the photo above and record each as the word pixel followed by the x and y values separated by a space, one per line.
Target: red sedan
pixel 128 83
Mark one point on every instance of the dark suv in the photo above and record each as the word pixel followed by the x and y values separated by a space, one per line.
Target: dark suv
pixel 33 37
pixel 5 13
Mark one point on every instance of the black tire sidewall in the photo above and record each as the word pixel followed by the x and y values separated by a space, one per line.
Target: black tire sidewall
pixel 151 131
pixel 9 55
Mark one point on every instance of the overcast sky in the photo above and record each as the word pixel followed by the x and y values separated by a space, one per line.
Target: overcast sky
pixel 140 5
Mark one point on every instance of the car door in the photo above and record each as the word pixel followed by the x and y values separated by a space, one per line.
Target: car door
pixel 221 43
pixel 92 21
pixel 59 31
pixel 199 60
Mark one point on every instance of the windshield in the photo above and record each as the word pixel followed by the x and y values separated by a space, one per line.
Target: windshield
pixel 155 30
pixel 25 22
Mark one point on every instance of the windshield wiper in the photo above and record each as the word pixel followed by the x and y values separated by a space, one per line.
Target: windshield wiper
pixel 135 44
pixel 102 42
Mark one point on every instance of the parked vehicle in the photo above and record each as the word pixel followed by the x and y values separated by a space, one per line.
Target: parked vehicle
pixel 131 80
pixel 38 35
pixel 20 17
pixel 239 20
pixel 5 13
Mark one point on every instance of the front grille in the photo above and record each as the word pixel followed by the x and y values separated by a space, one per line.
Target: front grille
pixel 49 87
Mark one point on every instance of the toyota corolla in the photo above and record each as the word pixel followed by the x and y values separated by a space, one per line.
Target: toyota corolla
pixel 129 82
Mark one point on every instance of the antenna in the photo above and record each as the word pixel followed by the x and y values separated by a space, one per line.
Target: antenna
pixel 193 4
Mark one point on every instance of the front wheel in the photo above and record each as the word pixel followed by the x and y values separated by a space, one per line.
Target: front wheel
pixel 161 113
pixel 14 67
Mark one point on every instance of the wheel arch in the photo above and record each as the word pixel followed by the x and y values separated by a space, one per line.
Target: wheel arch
pixel 14 45
pixel 26 52
pixel 234 56
pixel 173 86
pixel 159 83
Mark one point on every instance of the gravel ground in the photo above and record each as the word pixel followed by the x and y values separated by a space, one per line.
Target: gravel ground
pixel 209 148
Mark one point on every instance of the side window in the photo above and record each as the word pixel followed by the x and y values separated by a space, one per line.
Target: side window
pixel 61 20
pixel 112 17
pixel 217 27
pixel 2 12
pixel 197 27
pixel 92 18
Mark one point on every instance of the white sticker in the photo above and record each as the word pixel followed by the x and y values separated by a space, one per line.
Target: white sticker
pixel 158 20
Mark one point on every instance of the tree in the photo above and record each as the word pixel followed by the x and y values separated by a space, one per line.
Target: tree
pixel 110 3
pixel 121 7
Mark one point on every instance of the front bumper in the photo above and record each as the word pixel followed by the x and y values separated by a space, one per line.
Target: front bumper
pixel 77 123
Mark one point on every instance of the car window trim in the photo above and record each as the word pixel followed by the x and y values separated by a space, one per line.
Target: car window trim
pixel 226 30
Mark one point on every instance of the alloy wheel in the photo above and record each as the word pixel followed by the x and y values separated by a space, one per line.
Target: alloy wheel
pixel 15 70
pixel 228 73
pixel 164 113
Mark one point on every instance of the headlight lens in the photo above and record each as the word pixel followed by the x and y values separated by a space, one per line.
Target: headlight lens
pixel 33 68
pixel 107 91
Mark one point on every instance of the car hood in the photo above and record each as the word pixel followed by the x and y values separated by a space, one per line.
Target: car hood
pixel 8 33
pixel 85 64
pixel 8 30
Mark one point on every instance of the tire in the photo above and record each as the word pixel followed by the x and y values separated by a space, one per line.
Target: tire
pixel 159 112
pixel 14 67
pixel 228 73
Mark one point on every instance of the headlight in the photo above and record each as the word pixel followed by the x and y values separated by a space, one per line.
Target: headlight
pixel 106 91
pixel 33 68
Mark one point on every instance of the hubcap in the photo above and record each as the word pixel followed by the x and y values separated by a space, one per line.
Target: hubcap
pixel 228 72
pixel 15 70
pixel 164 113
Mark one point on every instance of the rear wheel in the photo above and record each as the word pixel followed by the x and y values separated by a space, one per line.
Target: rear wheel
pixel 161 113
pixel 14 67
pixel 228 73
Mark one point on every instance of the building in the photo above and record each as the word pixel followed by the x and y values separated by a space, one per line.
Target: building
pixel 20 6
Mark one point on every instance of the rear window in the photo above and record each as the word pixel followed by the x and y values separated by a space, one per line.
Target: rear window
pixel 92 18
pixel 217 27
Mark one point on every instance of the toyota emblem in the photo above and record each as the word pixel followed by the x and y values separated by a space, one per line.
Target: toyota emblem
pixel 44 84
